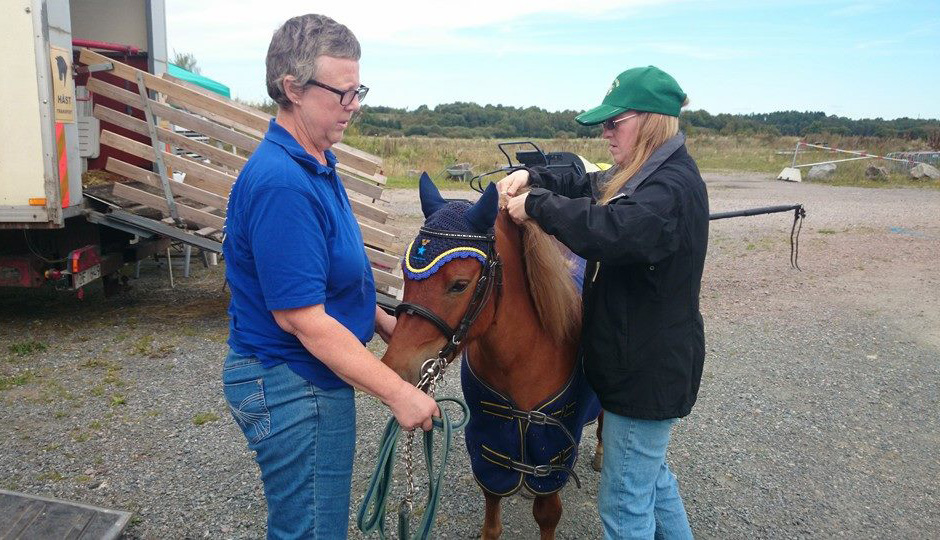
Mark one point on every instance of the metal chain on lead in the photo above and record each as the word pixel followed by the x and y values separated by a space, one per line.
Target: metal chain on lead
pixel 409 471
pixel 432 372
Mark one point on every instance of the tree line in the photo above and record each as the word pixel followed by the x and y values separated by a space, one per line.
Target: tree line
pixel 470 120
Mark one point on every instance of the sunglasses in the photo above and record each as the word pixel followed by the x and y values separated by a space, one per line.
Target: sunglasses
pixel 345 96
pixel 609 125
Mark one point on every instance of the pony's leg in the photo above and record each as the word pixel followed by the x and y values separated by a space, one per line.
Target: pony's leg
pixel 547 512
pixel 599 450
pixel 492 522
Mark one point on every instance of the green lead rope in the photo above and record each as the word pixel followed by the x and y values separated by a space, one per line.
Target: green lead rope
pixel 372 511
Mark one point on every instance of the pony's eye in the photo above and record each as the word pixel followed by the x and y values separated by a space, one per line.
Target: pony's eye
pixel 458 286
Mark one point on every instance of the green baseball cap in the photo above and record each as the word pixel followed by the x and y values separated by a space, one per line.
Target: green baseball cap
pixel 647 89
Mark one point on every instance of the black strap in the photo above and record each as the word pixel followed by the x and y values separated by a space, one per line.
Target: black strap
pixel 417 309
pixel 538 471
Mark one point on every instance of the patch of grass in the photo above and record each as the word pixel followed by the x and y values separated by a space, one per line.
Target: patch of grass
pixel 205 417
pixel 826 231
pixel 143 346
pixel 117 399
pixel 111 377
pixel 81 436
pixel 50 476
pixel 95 424
pixel 60 415
pixel 18 379
pixel 26 348
pixel 97 390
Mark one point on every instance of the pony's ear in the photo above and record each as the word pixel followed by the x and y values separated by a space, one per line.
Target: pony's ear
pixel 431 199
pixel 482 215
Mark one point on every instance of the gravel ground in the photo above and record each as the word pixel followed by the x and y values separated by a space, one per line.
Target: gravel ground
pixel 818 414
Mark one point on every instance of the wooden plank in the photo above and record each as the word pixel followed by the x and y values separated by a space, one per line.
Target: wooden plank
pixel 383 278
pixel 363 162
pixel 171 89
pixel 217 118
pixel 360 186
pixel 375 178
pixel 368 211
pixel 246 116
pixel 375 237
pixel 175 116
pixel 357 159
pixel 157 202
pixel 196 174
pixel 383 259
pixel 230 101
pixel 140 126
pixel 151 179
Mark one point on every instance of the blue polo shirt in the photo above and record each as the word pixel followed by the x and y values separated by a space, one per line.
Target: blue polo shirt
pixel 291 241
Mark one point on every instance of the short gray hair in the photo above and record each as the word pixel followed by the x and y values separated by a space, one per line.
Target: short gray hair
pixel 297 44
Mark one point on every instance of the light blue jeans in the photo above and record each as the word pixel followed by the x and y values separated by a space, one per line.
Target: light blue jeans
pixel 304 438
pixel 638 495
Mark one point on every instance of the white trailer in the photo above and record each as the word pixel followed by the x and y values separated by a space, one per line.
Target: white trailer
pixel 48 136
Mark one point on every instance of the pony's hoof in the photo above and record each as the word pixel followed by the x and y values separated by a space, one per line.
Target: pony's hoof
pixel 598 461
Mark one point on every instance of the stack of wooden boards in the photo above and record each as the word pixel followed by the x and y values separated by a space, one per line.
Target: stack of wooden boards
pixel 202 197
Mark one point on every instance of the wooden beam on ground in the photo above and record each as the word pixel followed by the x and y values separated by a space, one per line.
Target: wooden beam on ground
pixel 157 202
pixel 140 126
pixel 197 175
pixel 152 179
pixel 171 89
pixel 175 116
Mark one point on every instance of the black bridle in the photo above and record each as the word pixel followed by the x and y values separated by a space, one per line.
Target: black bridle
pixel 490 280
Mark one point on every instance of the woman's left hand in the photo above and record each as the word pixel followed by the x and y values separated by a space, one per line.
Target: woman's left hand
pixel 384 324
pixel 516 207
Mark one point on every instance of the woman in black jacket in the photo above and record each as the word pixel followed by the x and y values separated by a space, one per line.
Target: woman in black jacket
pixel 643 228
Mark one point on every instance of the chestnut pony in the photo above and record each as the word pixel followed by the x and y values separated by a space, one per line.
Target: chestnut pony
pixel 501 297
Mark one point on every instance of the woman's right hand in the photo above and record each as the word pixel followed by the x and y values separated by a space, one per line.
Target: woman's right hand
pixel 511 185
pixel 413 408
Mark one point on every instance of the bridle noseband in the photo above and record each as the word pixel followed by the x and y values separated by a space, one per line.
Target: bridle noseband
pixel 490 279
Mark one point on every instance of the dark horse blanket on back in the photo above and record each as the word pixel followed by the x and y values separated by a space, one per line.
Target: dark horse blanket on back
pixel 510 447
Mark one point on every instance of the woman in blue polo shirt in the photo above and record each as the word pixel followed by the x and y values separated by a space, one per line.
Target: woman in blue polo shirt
pixel 303 297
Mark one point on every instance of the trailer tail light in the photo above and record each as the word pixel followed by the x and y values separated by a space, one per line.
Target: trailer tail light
pixel 37 201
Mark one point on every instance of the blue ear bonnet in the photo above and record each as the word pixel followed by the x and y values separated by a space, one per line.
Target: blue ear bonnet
pixel 427 254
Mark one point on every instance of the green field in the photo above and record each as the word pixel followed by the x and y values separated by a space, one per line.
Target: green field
pixel 405 156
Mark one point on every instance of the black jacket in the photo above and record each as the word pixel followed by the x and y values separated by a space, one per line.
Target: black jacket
pixel 643 339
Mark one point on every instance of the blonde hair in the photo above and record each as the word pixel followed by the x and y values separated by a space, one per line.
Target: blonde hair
pixel 655 129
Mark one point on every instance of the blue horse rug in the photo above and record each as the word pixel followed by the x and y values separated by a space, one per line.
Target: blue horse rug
pixel 510 448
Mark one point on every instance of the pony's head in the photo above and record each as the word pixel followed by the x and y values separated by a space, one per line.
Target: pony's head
pixel 441 272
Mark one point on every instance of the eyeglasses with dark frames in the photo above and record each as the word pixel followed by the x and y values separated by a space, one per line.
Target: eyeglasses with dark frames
pixel 609 125
pixel 345 96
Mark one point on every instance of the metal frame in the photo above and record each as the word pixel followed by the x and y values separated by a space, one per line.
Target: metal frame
pixel 157 151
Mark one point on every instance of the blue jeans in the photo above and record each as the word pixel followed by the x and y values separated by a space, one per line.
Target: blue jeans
pixel 638 495
pixel 304 438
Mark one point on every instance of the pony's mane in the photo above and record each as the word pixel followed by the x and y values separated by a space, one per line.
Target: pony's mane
pixel 548 272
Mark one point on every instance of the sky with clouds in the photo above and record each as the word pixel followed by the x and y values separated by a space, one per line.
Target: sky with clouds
pixel 855 58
